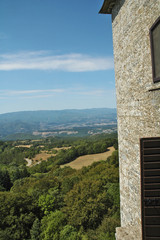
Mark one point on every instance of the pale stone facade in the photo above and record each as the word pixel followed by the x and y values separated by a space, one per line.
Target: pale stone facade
pixel 138 101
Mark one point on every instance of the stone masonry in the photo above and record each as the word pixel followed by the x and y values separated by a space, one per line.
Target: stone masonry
pixel 138 102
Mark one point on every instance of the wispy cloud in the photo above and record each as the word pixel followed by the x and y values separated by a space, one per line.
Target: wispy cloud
pixel 43 60
pixel 36 96
pixel 29 93
pixel 93 92
pixel 47 93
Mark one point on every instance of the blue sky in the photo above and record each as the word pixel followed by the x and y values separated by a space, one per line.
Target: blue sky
pixel 55 54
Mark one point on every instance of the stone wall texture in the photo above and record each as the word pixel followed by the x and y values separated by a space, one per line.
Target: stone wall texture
pixel 138 107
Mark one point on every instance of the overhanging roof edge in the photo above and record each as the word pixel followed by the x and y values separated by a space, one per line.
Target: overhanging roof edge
pixel 107 6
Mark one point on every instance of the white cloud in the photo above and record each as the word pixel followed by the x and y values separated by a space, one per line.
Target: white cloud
pixel 37 96
pixel 93 92
pixel 29 93
pixel 43 60
pixel 47 93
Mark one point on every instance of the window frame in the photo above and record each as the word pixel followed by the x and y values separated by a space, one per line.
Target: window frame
pixel 157 22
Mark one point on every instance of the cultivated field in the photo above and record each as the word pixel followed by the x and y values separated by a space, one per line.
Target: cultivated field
pixel 87 160
pixel 24 146
pixel 43 156
pixel 61 148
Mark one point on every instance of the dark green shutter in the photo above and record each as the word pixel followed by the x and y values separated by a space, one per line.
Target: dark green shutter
pixel 150 180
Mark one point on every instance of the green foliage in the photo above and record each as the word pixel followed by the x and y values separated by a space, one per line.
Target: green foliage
pixel 18 173
pixel 12 156
pixel 5 182
pixel 31 152
pixel 17 214
pixel 84 148
pixel 86 204
pixel 68 183
pixel 35 230
pixel 35 187
pixel 114 159
pixel 47 202
pixel 107 228
pixel 52 225
pixel 69 233
pixel 51 201
pixel 39 168
pixel 113 191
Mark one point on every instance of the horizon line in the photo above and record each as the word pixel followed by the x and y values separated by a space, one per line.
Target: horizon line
pixel 66 109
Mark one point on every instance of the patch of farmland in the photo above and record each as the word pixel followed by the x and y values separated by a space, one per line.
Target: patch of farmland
pixel 43 156
pixel 87 160
pixel 61 148
pixel 24 146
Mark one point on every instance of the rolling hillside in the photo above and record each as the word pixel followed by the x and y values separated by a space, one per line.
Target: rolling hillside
pixel 33 123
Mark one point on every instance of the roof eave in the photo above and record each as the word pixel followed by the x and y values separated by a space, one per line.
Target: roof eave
pixel 107 6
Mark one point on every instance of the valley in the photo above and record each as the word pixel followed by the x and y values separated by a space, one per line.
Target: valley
pixel 63 123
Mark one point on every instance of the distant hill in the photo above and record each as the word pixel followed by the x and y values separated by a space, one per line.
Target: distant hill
pixel 29 122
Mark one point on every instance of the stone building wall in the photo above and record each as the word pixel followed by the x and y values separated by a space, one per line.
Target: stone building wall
pixel 138 106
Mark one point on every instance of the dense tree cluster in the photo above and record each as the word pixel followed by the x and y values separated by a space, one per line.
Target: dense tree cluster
pixel 78 147
pixel 60 203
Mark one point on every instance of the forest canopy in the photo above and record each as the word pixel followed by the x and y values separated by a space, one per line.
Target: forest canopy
pixel 46 202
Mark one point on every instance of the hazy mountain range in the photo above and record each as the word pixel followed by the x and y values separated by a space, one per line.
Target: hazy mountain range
pixel 38 122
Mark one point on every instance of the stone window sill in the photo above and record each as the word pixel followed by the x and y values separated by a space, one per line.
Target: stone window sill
pixel 154 89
